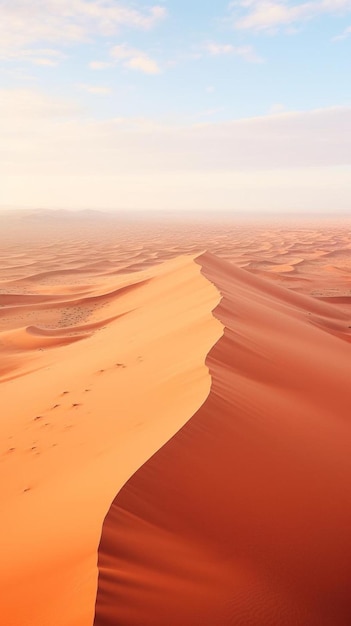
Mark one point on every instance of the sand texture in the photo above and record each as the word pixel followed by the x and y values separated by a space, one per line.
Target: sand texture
pixel 82 408
pixel 244 516
pixel 175 424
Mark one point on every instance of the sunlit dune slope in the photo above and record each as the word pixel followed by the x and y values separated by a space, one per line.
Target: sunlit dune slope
pixel 244 516
pixel 91 386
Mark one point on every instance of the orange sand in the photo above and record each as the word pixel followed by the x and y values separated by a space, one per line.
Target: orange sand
pixel 243 516
pixel 79 416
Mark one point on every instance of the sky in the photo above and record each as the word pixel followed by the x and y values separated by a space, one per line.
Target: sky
pixel 176 105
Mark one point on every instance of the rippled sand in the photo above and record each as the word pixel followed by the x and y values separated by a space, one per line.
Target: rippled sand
pixel 221 378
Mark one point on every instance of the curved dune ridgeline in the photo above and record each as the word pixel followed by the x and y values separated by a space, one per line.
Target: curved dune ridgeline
pixel 107 336
pixel 88 394
pixel 243 517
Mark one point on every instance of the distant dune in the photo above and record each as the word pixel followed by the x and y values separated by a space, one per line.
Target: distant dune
pixel 175 424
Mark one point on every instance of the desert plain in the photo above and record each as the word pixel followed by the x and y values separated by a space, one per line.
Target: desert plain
pixel 175 424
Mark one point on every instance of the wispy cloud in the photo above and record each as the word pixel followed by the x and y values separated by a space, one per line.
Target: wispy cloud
pixel 344 35
pixel 50 153
pixel 26 24
pixel 277 108
pixel 97 90
pixel 100 65
pixel 217 48
pixel 37 56
pixel 270 15
pixel 288 139
pixel 131 58
pixel 27 106
pixel 134 59
pixel 247 53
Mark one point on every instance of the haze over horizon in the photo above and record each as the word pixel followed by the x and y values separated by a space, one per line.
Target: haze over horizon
pixel 239 106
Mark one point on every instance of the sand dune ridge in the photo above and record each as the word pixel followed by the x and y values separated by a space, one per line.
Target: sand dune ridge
pixel 243 516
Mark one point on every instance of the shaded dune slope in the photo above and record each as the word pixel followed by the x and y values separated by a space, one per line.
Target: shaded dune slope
pixel 244 516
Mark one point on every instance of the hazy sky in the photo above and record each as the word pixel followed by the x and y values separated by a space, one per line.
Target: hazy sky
pixel 197 104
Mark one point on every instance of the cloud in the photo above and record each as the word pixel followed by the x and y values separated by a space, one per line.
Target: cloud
pixel 245 52
pixel 25 106
pixel 291 139
pixel 134 59
pixel 51 154
pixel 26 24
pixel 217 49
pixel 100 65
pixel 38 56
pixel 270 15
pixel 98 90
pixel 344 35
pixel 277 108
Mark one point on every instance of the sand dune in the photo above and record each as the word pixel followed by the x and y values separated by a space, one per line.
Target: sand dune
pixel 79 419
pixel 30 338
pixel 207 454
pixel 243 517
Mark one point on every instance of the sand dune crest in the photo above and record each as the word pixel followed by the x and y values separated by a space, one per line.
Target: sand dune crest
pixel 243 516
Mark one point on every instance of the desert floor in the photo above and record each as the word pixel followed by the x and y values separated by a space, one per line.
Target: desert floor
pixel 175 421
